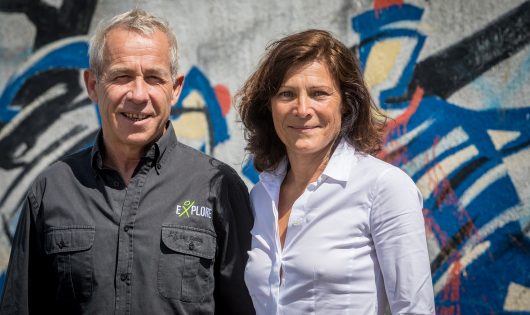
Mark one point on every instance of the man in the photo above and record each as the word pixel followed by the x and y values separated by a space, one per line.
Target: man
pixel 139 223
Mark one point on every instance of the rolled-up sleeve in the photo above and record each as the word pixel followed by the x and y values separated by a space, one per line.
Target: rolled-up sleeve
pixel 398 233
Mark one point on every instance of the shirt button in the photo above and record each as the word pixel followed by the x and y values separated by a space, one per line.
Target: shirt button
pixel 115 184
pixel 124 276
pixel 158 166
pixel 191 246
pixel 126 228
pixel 61 244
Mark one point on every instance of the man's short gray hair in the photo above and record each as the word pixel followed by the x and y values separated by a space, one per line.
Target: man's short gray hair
pixel 138 21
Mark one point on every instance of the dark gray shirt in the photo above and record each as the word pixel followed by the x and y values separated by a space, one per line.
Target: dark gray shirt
pixel 174 240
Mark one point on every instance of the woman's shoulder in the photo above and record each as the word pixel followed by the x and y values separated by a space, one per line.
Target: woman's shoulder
pixel 258 190
pixel 383 172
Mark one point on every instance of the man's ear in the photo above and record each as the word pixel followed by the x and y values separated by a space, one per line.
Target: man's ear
pixel 90 85
pixel 177 88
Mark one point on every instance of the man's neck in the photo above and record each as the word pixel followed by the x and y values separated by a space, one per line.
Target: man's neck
pixel 123 159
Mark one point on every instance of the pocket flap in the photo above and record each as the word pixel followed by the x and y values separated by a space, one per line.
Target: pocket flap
pixel 68 239
pixel 189 241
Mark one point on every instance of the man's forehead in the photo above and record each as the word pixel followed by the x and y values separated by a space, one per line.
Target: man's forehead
pixel 124 47
pixel 120 36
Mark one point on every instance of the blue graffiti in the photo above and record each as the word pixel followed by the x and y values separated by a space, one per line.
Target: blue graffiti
pixel 197 81
pixel 69 53
pixel 485 282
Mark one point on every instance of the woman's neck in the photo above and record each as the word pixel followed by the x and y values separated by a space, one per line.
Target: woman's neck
pixel 305 169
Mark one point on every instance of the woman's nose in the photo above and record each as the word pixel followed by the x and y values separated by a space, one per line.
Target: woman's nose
pixel 302 106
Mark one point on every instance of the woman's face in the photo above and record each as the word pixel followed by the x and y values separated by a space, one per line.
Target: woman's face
pixel 306 111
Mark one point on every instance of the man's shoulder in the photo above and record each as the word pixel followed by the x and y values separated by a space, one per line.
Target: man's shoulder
pixel 61 173
pixel 200 162
pixel 75 162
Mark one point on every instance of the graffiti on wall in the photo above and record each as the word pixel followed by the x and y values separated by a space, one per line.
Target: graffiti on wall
pixel 471 164
pixel 468 163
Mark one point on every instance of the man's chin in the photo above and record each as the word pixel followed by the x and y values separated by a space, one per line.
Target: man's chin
pixel 143 139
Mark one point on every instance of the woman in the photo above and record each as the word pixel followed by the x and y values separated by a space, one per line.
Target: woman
pixel 336 230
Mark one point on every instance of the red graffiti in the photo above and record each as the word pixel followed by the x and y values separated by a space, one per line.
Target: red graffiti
pixel 451 292
pixel 399 126
pixel 382 4
pixel 223 97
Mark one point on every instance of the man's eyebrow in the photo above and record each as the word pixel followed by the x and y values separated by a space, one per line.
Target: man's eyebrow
pixel 119 70
pixel 158 71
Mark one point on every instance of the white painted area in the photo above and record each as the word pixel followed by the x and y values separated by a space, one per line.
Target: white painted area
pixel 465 261
pixel 481 184
pixel 518 166
pixel 502 137
pixel 430 180
pixel 453 139
pixel 402 141
pixel 517 299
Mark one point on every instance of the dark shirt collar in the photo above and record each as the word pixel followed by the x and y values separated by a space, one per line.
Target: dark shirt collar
pixel 154 153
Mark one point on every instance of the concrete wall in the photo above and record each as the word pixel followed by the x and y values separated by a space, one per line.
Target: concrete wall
pixel 454 74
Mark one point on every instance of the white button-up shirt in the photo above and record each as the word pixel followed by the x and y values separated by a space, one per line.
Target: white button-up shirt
pixel 355 243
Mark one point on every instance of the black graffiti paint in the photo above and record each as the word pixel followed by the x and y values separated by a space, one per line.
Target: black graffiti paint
pixel 449 70
pixel 51 93
pixel 451 246
pixel 71 19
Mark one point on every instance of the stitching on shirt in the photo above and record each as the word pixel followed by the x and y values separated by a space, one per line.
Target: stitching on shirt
pixel 69 227
pixel 189 228
pixel 375 188
pixel 33 200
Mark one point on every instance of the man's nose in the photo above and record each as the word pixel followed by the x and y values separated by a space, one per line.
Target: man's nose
pixel 138 92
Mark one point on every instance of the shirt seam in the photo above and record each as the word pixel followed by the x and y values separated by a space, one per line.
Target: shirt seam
pixel 372 195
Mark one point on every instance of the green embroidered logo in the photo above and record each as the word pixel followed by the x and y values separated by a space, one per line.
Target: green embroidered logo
pixel 188 208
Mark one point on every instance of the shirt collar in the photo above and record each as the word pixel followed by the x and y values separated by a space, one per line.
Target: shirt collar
pixel 338 168
pixel 341 162
pixel 154 153
pixel 272 180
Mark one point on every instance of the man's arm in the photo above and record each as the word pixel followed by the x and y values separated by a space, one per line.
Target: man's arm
pixel 22 291
pixel 233 239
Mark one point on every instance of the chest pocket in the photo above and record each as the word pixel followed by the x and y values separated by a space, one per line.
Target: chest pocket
pixel 69 249
pixel 185 270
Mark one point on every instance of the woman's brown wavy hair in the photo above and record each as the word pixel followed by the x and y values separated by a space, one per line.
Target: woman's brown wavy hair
pixel 362 123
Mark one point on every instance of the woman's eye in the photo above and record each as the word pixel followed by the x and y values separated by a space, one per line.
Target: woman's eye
pixel 286 94
pixel 319 93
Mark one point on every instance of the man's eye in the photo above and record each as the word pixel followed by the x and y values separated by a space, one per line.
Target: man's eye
pixel 121 77
pixel 154 79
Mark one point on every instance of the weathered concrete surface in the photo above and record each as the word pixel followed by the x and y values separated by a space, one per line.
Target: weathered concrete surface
pixel 454 74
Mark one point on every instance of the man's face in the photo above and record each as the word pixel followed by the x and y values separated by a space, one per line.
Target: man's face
pixel 135 92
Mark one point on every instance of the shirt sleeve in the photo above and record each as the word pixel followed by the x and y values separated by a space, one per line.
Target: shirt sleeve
pixel 398 233
pixel 24 291
pixel 233 241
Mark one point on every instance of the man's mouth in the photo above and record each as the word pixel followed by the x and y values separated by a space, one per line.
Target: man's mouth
pixel 135 117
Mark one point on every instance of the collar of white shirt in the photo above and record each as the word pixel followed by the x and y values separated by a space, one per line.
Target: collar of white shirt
pixel 339 168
